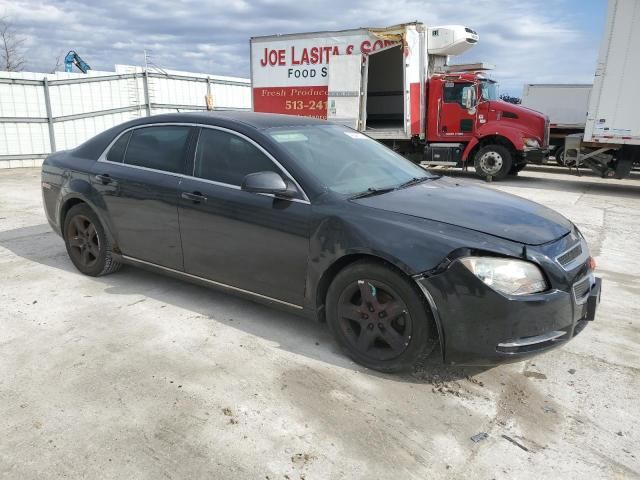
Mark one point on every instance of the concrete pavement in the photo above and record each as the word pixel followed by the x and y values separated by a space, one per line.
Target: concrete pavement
pixel 136 375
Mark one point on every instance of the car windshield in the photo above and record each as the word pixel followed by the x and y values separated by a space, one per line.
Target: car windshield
pixel 489 90
pixel 346 161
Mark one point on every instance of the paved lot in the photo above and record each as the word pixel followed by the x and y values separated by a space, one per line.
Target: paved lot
pixel 136 375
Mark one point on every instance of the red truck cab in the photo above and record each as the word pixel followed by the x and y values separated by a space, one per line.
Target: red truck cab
pixel 498 138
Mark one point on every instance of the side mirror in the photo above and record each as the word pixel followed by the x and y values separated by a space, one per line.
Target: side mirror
pixel 268 182
pixel 469 98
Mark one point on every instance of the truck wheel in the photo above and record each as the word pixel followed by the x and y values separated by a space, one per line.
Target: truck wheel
pixel 625 158
pixel 378 318
pixel 493 161
pixel 515 169
pixel 559 155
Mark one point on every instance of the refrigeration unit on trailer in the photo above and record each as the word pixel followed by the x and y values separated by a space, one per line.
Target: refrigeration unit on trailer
pixel 610 145
pixel 565 104
pixel 395 85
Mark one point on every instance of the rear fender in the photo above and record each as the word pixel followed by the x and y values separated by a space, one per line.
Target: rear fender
pixel 80 189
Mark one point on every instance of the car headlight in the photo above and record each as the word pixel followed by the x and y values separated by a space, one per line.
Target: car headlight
pixel 508 276
pixel 531 142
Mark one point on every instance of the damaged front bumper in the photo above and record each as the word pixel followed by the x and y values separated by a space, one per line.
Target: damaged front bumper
pixel 479 326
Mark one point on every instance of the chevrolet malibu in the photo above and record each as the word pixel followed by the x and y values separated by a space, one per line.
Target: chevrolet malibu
pixel 319 219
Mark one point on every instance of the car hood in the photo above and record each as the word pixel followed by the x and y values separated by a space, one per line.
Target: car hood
pixel 478 208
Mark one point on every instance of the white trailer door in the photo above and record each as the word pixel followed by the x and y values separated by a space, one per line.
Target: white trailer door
pixel 344 101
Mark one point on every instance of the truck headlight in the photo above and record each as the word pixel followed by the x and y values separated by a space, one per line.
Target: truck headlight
pixel 531 142
pixel 508 276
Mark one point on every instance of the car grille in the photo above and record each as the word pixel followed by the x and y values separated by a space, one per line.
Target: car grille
pixel 581 289
pixel 570 255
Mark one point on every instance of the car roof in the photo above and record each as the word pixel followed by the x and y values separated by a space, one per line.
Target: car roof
pixel 259 121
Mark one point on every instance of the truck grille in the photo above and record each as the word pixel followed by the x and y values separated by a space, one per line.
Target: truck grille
pixel 581 289
pixel 570 255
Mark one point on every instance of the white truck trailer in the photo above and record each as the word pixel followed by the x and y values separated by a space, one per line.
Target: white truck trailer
pixel 395 85
pixel 610 144
pixel 566 105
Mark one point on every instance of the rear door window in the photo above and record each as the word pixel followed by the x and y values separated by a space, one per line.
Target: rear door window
pixel 160 148
pixel 227 158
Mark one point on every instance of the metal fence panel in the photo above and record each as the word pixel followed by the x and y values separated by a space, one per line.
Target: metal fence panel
pixel 23 139
pixel 81 106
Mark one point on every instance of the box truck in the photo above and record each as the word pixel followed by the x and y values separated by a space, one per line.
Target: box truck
pixel 610 144
pixel 565 104
pixel 395 85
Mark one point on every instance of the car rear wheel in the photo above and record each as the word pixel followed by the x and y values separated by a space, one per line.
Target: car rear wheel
pixel 493 161
pixel 87 244
pixel 378 317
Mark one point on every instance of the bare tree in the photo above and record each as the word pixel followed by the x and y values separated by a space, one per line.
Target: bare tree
pixel 11 48
pixel 58 62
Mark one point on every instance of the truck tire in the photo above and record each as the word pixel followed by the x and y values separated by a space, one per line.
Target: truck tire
pixel 625 158
pixel 517 168
pixel 559 156
pixel 493 162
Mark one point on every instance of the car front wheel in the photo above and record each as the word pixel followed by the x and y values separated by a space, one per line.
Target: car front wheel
pixel 379 319
pixel 87 244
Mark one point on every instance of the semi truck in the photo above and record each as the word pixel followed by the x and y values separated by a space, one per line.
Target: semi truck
pixel 396 85
pixel 610 143
pixel 566 105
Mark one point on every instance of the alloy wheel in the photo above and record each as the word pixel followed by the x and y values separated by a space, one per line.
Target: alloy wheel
pixel 374 320
pixel 83 241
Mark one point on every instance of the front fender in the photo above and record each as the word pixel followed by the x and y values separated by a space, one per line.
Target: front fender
pixel 513 135
pixel 413 247
pixel 470 146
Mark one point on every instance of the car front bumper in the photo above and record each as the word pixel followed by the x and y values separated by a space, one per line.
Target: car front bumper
pixel 479 326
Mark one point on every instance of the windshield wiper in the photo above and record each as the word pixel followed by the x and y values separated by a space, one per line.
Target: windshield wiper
pixel 416 180
pixel 371 191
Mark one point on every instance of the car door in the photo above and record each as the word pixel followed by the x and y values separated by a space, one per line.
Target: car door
pixel 248 241
pixel 454 120
pixel 138 181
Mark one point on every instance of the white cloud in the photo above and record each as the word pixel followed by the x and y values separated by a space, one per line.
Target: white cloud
pixel 527 41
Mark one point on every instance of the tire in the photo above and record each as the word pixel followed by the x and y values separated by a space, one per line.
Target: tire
pixel 625 158
pixel 88 246
pixel 515 169
pixel 390 329
pixel 493 162
pixel 559 156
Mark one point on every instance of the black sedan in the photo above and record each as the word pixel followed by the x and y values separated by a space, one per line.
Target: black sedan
pixel 322 220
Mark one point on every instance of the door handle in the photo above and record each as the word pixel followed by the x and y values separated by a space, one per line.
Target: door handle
pixel 104 178
pixel 195 197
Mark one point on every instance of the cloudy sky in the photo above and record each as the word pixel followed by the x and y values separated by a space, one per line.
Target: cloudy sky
pixel 528 41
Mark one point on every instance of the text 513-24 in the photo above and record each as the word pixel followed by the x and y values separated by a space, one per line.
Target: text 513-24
pixel 302 105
